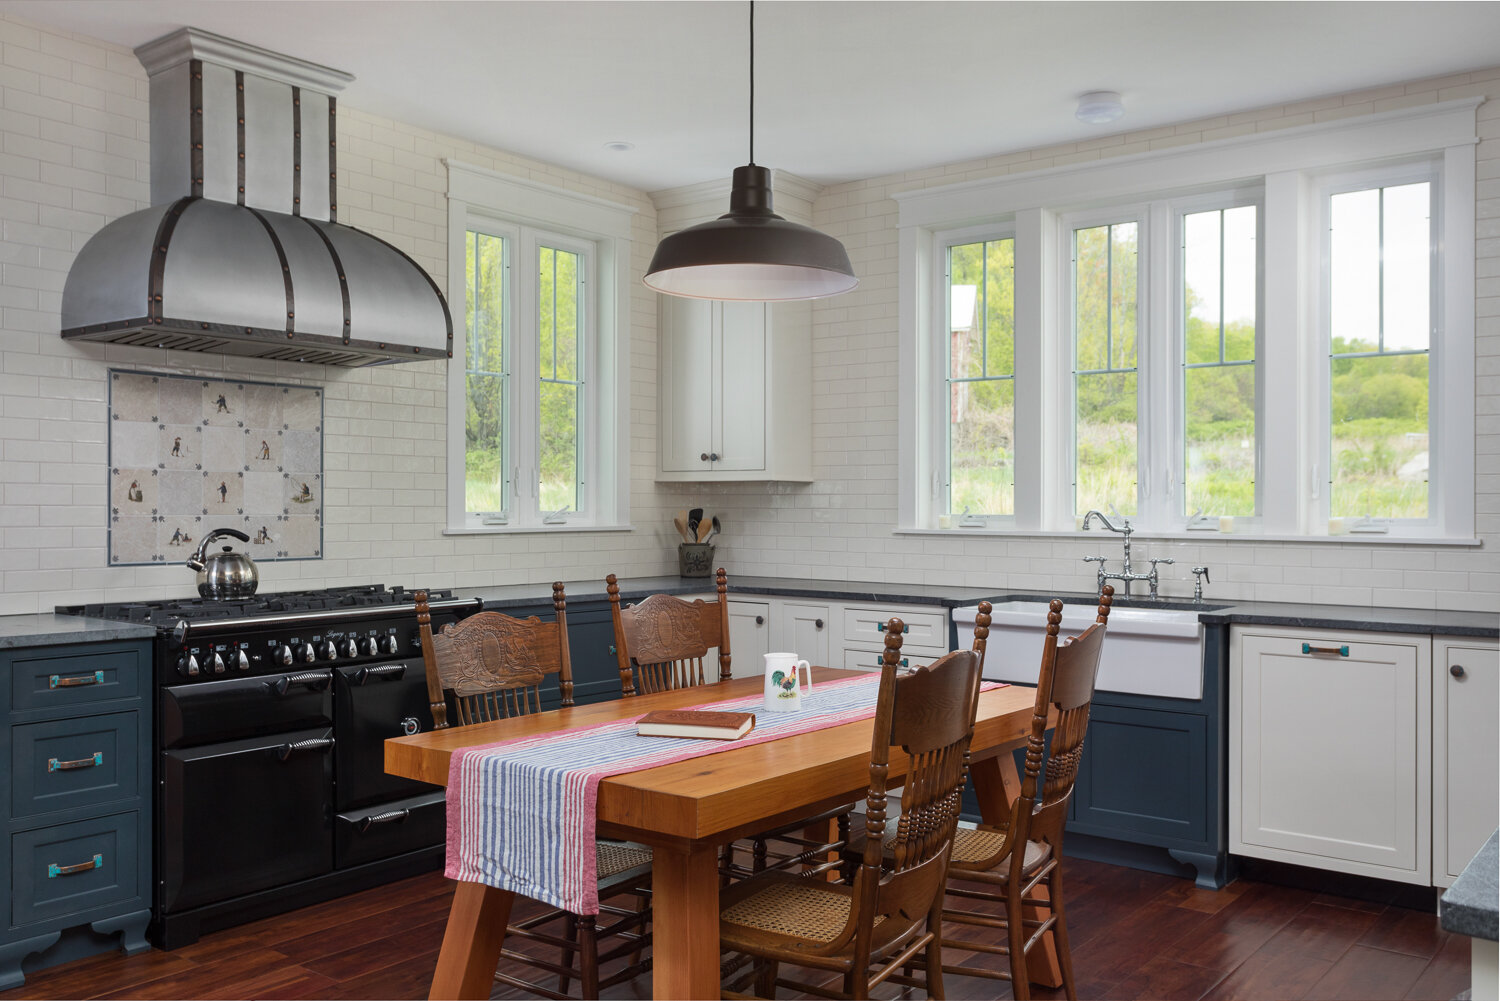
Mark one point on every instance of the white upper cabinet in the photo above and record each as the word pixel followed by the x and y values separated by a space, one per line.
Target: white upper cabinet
pixel 735 399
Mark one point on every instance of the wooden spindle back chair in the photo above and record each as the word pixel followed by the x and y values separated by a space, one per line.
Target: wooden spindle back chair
pixel 494 665
pixel 891 912
pixel 1012 860
pixel 662 642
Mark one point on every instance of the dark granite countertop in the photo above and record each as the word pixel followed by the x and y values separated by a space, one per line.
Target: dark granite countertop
pixel 1395 620
pixel 49 629
pixel 1469 905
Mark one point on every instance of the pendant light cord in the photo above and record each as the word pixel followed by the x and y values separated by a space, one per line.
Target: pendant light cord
pixel 752 82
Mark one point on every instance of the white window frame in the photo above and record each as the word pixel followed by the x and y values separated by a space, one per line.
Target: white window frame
pixel 1286 165
pixel 1174 511
pixel 1319 444
pixel 531 215
pixel 935 424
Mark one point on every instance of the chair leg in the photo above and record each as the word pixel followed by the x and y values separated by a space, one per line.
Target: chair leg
pixel 765 978
pixel 641 903
pixel 1060 932
pixel 588 954
pixel 935 967
pixel 1020 981
pixel 570 925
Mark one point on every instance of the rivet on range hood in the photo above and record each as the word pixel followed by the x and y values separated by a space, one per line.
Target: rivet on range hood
pixel 241 252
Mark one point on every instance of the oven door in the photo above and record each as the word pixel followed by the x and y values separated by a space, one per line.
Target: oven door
pixel 216 711
pixel 372 704
pixel 245 815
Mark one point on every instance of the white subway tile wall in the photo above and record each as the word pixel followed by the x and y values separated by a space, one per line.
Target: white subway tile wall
pixel 74 148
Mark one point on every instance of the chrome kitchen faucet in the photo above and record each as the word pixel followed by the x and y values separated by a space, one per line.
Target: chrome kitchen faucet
pixel 1125 576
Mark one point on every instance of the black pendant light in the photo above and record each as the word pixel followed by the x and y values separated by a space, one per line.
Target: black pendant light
pixel 751 252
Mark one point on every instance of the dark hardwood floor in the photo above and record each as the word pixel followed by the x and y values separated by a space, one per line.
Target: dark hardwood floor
pixel 1135 935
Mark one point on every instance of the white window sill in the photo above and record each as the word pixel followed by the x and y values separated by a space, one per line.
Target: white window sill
pixel 535 529
pixel 1356 538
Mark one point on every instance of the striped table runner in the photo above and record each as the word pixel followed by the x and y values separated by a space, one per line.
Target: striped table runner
pixel 522 813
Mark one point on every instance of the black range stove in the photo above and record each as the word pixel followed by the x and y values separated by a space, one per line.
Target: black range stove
pixel 271 717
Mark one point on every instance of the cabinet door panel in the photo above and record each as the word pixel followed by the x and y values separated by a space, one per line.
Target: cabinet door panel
pixel 1143 773
pixel 749 638
pixel 686 402
pixel 1466 761
pixel 1333 758
pixel 804 631
pixel 741 407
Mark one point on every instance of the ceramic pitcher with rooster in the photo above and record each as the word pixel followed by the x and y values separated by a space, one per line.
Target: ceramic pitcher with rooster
pixel 783 692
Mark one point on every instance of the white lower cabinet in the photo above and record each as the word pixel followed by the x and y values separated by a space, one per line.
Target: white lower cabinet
pixel 828 633
pixel 1362 752
pixel 749 637
pixel 1465 754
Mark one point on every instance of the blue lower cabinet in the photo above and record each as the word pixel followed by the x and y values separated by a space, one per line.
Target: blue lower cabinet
pixel 1143 774
pixel 75 801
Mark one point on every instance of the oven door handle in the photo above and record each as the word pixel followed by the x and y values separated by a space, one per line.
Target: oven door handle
pixel 389 817
pixel 312 679
pixel 391 672
pixel 285 750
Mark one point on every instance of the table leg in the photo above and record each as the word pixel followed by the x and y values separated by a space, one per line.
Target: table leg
pixel 685 922
pixel 471 943
pixel 996 784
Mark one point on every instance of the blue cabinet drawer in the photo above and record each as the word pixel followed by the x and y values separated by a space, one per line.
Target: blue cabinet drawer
pixel 69 677
pixel 72 868
pixel 69 763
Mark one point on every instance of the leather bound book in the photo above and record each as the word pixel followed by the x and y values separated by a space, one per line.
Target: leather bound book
pixel 697 723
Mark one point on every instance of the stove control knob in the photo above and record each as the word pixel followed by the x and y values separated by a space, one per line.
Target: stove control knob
pixel 283 655
pixel 391 646
pixel 188 665
pixel 351 648
pixel 330 652
pixel 218 664
pixel 309 654
pixel 372 646
pixel 242 661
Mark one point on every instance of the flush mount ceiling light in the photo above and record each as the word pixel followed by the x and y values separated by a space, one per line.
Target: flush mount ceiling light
pixel 619 146
pixel 750 253
pixel 1099 107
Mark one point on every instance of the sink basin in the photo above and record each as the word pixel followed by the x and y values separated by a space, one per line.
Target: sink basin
pixel 1148 650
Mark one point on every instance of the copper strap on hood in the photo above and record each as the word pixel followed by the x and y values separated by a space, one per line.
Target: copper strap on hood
pixel 338 266
pixel 296 151
pixel 195 125
pixel 239 116
pixel 286 274
pixel 159 258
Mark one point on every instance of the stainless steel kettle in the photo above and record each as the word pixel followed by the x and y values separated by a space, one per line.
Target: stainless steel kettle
pixel 224 575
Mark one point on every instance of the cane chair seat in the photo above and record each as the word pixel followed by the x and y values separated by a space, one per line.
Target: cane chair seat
pixel 792 907
pixel 977 847
pixel 615 857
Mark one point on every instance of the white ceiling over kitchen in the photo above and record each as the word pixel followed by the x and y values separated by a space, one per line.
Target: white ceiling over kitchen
pixel 844 90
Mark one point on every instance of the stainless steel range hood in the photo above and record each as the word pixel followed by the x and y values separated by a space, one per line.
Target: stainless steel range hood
pixel 241 252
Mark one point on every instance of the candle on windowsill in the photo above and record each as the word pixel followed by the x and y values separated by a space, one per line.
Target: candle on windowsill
pixel 1226 525
pixel 1336 526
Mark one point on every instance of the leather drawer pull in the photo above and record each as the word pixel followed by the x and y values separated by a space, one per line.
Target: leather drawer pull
pixel 54 765
pixel 905 662
pixel 54 870
pixel 1342 651
pixel 390 817
pixel 880 628
pixel 58 681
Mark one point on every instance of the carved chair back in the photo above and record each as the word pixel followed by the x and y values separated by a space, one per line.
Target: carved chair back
pixel 493 664
pixel 661 643
pixel 1066 687
pixel 929 715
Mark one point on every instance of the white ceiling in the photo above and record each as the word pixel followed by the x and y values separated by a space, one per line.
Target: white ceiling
pixel 844 89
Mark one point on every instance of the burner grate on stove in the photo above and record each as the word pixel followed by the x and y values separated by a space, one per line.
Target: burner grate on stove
pixel 168 612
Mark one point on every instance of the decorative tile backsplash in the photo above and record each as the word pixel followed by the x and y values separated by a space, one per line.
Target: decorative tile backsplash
pixel 189 454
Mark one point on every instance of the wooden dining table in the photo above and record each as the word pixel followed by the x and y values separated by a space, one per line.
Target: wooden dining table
pixel 686 810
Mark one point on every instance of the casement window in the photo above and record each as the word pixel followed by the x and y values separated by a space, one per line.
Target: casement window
pixel 1269 335
pixel 980 396
pixel 1381 257
pixel 536 402
pixel 1105 312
